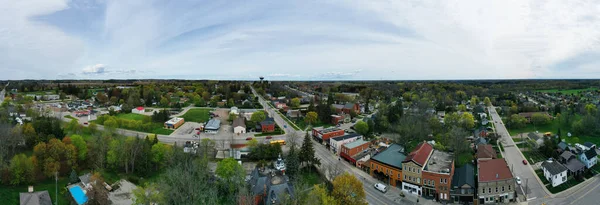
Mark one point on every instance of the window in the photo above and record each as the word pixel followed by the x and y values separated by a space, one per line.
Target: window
pixel 489 190
pixel 441 196
pixel 445 181
pixel 483 190
pixel 496 189
pixel 419 171
pixel 508 187
pixel 418 180
pixel 404 177
pixel 432 183
pixel 372 166
pixel 441 181
pixel 564 178
pixel 502 188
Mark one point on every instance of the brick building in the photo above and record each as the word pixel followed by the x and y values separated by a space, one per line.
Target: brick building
pixel 322 134
pixel 267 125
pixel 496 183
pixel 412 166
pixel 348 150
pixel 437 176
pixel 387 165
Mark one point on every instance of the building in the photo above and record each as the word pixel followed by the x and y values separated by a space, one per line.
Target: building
pixel 337 119
pixel 234 110
pixel 294 113
pixel 81 113
pixel 174 123
pixel 51 97
pixel 138 110
pixel 485 152
pixel 437 176
pixel 35 198
pixel 348 150
pixel 496 183
pixel 269 186
pixel 387 165
pixel 267 125
pixel 462 189
pixel 347 108
pixel 212 126
pixel 589 158
pixel 412 166
pixel 322 134
pixel 574 166
pixel 239 125
pixel 279 105
pixel 335 143
pixel 554 172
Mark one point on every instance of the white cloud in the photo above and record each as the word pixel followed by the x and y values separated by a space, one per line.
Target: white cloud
pixel 94 69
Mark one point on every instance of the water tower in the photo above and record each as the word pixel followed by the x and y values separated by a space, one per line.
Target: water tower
pixel 261 79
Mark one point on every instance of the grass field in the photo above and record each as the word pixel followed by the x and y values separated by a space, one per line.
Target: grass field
pixel 533 156
pixel 197 115
pixel 568 92
pixel 131 116
pixel 582 139
pixel 550 127
pixel 157 128
pixel 564 186
pixel 10 194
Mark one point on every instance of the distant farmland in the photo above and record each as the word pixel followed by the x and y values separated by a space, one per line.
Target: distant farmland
pixel 568 92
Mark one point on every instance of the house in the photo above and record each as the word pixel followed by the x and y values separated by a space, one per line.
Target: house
pixel 485 152
pixel 212 126
pixel 35 198
pixel 115 108
pixel 496 183
pixel 574 166
pixel 437 176
pixel 387 165
pixel 562 146
pixel 174 123
pixel 347 108
pixel 234 110
pixel 588 158
pixel 335 143
pixel 554 172
pixel 337 119
pixel 412 166
pixel 269 186
pixel 294 113
pixel 138 110
pixel 589 145
pixel 479 141
pixel 51 97
pixel 279 105
pixel 441 115
pixel 348 150
pixel 123 195
pixel 267 125
pixel 322 134
pixel 239 125
pixel 538 138
pixel 462 189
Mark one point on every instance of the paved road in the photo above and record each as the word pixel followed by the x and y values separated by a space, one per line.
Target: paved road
pixel 531 185
pixel 328 158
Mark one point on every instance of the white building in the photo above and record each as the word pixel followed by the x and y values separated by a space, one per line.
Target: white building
pixel 239 125
pixel 554 172
pixel 51 97
pixel 336 142
pixel 138 110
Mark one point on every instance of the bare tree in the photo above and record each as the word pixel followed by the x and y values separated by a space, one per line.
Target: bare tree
pixel 334 170
pixel 292 138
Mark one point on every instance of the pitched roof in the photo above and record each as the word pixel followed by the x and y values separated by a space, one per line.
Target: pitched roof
pixel 533 136
pixel 589 144
pixel 355 144
pixel 349 105
pixel 140 108
pixel 566 155
pixel 574 165
pixel 464 175
pixel 493 170
pixel 486 151
pixel 420 154
pixel 239 122
pixel 553 167
pixel 213 124
pixel 338 106
pixel 268 121
pixel 35 198
pixel 393 156
pixel 562 145
pixel 590 153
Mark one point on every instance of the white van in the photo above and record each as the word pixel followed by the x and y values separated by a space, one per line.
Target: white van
pixel 380 187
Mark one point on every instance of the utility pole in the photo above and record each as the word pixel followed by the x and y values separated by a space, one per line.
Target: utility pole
pixel 526 186
pixel 56 188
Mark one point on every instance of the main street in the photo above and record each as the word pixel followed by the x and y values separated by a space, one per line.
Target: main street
pixel 392 196
pixel 531 185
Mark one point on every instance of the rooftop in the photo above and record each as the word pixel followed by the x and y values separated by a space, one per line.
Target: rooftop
pixel 174 120
pixel 327 130
pixel 35 198
pixel 574 165
pixel 344 137
pixel 355 144
pixel 439 162
pixel 493 170
pixel 393 156
pixel 240 121
pixel 420 154
pixel 213 124
pixel 590 153
pixel 553 167
pixel 486 151
pixel 464 175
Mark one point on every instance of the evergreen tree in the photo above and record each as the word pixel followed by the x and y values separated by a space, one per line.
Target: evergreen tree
pixel 73 178
pixel 292 162
pixel 330 99
pixel 307 152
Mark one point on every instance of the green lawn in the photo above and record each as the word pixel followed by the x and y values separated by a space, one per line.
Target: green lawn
pixel 568 184
pixel 10 194
pixel 540 174
pixel 131 116
pixel 162 131
pixel 71 117
pixel 310 176
pixel 464 159
pixel 533 156
pixel 300 122
pixel 568 92
pixel 582 139
pixel 197 115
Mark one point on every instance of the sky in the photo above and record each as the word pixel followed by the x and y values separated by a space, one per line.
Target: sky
pixel 299 40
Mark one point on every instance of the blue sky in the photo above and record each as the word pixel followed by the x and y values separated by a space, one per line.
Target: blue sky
pixel 299 40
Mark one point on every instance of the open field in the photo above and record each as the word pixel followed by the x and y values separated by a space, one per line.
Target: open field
pixel 550 127
pixel 568 92
pixel 131 116
pixel 10 194
pixel 137 122
pixel 197 115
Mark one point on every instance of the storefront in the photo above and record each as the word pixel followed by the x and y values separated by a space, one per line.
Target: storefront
pixel 411 188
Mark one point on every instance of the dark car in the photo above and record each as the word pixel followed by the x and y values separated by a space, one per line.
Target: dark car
pixel 268 137
pixel 85 123
pixel 525 162
pixel 198 128
pixel 249 138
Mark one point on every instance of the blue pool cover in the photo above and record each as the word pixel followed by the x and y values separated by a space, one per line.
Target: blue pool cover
pixel 78 195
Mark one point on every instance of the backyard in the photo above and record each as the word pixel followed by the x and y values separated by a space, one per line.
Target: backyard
pixel 550 127
pixel 197 115
pixel 10 194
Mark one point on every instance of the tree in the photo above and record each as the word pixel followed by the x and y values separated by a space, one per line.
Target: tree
pixel 311 117
pixel 467 120
pixel 232 117
pixel 591 109
pixel 81 146
pixel 540 119
pixel 457 141
pixel 307 152
pixel 252 143
pixel 487 101
pixel 473 101
pixel 232 172
pixel 295 102
pixel 347 189
pixel 98 195
pixel 292 162
pixel 320 195
pixel 148 194
pixel 73 178
pixel 311 107
pixel 29 134
pixel 258 116
pixel 462 107
pixel 361 127
pixel 21 169
pixel 111 124
pixel 517 121
pixel 160 154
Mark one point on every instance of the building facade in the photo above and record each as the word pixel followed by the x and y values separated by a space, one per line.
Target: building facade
pixel 412 167
pixel 348 150
pixel 554 172
pixel 437 176
pixel 335 143
pixel 387 165
pixel 174 123
pixel 323 135
pixel 496 183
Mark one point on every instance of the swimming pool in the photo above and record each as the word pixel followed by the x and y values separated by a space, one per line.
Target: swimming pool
pixel 78 194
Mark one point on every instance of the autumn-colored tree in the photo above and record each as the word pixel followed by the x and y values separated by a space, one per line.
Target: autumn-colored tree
pixel 311 117
pixel 487 101
pixel 98 195
pixel 320 195
pixel 148 194
pixel 347 189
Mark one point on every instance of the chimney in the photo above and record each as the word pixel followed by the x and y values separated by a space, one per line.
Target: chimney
pixel 30 189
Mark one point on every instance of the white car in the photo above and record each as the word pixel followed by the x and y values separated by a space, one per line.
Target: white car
pixel 518 180
pixel 379 186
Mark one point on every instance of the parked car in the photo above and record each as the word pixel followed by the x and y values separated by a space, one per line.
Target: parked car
pixel 525 162
pixel 379 186
pixel 85 123
pixel 197 128
pixel 268 137
pixel 518 180
pixel 249 138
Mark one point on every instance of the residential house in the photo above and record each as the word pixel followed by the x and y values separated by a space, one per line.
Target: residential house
pixel 479 141
pixel 348 150
pixel 174 123
pixel 538 138
pixel 462 189
pixel 35 198
pixel 336 119
pixel 270 186
pixel 239 125
pixel 212 126
pixel 554 172
pixel 294 113
pixel 267 125
pixel 412 166
pixel 51 97
pixel 280 105
pixel 589 145
pixel 347 108
pixel 496 183
pixel 441 115
pixel 387 165
pixel 335 143
pixel 485 152
pixel 574 166
pixel 138 110
pixel 589 158
pixel 562 146
pixel 322 134
pixel 437 176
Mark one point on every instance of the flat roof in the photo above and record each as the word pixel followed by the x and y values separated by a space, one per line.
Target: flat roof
pixel 346 136
pixel 328 130
pixel 174 120
pixel 392 156
pixel 439 162
pixel 355 144
pixel 213 124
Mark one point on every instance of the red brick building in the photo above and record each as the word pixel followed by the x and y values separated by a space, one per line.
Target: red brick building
pixel 437 176
pixel 347 108
pixel 267 125
pixel 351 149
pixel 336 119
pixel 322 134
